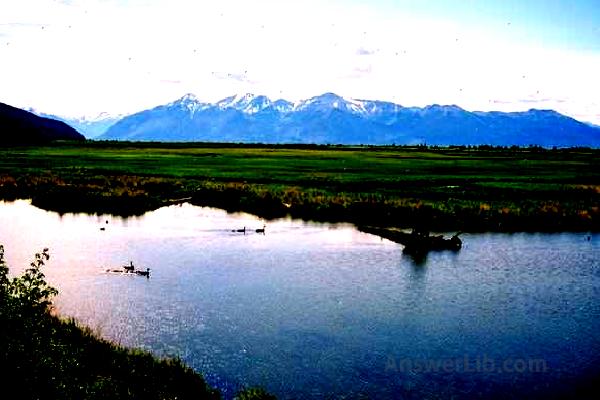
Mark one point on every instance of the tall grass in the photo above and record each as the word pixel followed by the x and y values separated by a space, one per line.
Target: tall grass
pixel 452 188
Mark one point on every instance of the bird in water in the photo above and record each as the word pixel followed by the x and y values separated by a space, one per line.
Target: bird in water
pixel 145 273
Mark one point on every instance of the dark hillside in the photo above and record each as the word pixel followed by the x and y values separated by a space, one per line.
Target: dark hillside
pixel 22 127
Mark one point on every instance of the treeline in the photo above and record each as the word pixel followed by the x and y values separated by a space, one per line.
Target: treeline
pixel 505 148
pixel 314 146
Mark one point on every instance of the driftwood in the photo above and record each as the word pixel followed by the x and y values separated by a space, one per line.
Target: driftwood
pixel 416 241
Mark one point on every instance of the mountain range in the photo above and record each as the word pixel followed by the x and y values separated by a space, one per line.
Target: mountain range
pixel 332 119
pixel 18 126
pixel 90 127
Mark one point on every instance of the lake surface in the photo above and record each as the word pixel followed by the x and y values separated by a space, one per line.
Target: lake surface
pixel 313 310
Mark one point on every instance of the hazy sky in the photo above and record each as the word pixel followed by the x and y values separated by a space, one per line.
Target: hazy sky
pixel 83 57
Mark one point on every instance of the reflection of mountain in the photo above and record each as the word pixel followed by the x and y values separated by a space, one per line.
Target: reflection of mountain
pixel 329 118
pixel 22 127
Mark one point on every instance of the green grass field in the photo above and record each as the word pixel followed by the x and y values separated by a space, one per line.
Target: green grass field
pixel 446 189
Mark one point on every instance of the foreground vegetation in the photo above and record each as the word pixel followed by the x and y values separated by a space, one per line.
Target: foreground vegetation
pixel 45 357
pixel 470 189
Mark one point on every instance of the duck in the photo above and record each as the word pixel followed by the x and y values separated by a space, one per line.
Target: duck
pixel 145 273
pixel 130 267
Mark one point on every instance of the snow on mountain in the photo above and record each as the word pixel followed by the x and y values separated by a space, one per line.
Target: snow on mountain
pixel 329 118
pixel 189 102
pixel 235 101
pixel 90 127
pixel 326 102
pixel 247 103
pixel 385 111
pixel 330 101
pixel 283 106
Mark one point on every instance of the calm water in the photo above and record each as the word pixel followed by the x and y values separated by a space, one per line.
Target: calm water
pixel 320 310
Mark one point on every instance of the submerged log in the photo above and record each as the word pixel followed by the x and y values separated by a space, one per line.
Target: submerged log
pixel 416 242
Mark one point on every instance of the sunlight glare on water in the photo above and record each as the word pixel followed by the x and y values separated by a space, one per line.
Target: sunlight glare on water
pixel 312 310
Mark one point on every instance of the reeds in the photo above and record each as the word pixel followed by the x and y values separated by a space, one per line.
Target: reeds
pixel 454 188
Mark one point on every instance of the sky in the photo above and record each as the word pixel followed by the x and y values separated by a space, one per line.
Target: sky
pixel 84 57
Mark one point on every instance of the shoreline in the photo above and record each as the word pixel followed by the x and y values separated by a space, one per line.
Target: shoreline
pixel 137 209
pixel 449 189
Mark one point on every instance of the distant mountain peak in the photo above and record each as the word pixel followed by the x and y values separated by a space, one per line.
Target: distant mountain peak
pixel 324 102
pixel 331 118
pixel 542 111
pixel 188 98
pixel 247 103
pixel 282 105
pixel 329 96
pixel 235 100
pixel 189 102
pixel 90 126
pixel 443 107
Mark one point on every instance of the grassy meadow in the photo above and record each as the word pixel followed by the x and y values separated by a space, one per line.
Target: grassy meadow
pixel 441 189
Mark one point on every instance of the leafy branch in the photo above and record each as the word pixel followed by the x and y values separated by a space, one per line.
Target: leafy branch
pixel 28 293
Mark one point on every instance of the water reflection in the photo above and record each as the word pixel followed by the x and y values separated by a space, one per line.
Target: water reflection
pixel 416 259
pixel 319 310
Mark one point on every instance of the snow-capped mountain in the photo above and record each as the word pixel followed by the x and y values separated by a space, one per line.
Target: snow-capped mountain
pixel 189 103
pixel 376 108
pixel 325 102
pixel 283 106
pixel 90 127
pixel 330 118
pixel 251 104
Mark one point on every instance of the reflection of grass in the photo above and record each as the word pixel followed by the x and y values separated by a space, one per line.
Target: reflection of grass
pixel 446 188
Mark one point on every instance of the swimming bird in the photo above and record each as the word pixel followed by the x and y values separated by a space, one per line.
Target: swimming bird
pixel 145 273
pixel 261 230
pixel 129 268
pixel 241 230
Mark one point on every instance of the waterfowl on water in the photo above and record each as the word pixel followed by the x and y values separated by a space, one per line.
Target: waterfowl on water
pixel 144 273
pixel 130 267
